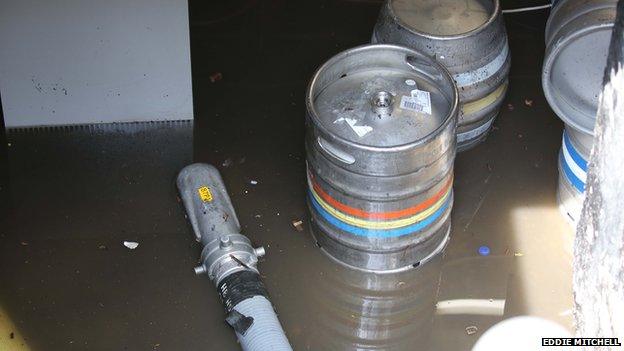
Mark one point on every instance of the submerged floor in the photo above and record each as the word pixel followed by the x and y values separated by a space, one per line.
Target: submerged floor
pixel 74 195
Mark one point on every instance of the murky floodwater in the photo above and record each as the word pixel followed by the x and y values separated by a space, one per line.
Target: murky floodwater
pixel 73 196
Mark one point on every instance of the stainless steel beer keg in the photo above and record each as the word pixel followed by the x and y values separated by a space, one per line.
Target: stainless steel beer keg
pixel 380 146
pixel 573 163
pixel 469 38
pixel 578 34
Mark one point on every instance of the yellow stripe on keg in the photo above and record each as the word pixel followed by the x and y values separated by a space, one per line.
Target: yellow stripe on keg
pixel 385 224
pixel 480 104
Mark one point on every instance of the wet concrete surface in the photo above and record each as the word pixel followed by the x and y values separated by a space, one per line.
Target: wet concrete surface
pixel 71 196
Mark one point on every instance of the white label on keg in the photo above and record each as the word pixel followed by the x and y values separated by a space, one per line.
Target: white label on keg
pixel 420 101
pixel 359 130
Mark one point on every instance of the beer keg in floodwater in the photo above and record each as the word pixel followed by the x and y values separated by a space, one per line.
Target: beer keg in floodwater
pixel 573 164
pixel 380 146
pixel 578 34
pixel 466 36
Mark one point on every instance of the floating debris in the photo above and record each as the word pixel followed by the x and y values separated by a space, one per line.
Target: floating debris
pixel 510 107
pixel 484 251
pixel 253 182
pixel 298 224
pixel 528 102
pixel 227 163
pixel 215 77
pixel 131 244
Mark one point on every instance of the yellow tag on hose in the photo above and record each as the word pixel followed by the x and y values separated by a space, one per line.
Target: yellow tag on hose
pixel 204 194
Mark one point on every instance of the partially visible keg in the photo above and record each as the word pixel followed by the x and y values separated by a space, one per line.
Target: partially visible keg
pixel 469 38
pixel 380 146
pixel 573 158
pixel 578 34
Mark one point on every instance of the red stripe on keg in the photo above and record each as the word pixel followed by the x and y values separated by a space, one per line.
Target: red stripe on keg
pixel 380 215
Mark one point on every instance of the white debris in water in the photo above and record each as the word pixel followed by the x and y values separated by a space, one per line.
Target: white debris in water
pixel 253 182
pixel 131 244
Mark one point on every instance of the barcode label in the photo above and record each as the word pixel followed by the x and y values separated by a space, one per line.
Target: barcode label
pixel 409 103
pixel 424 99
pixel 420 101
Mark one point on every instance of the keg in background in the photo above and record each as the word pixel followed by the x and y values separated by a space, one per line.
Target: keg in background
pixel 469 38
pixel 573 158
pixel 380 146
pixel 578 34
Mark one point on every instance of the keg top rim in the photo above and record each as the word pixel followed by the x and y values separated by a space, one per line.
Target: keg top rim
pixel 444 121
pixel 570 111
pixel 496 12
pixel 565 10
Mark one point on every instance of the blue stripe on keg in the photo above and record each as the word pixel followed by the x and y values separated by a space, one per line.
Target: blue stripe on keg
pixel 576 182
pixel 576 156
pixel 371 233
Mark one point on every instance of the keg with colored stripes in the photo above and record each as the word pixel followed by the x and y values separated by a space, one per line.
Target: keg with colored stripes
pixel 380 147
pixel 573 158
pixel 578 33
pixel 470 39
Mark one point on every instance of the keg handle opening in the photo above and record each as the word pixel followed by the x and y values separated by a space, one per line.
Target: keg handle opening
pixel 335 152
pixel 422 66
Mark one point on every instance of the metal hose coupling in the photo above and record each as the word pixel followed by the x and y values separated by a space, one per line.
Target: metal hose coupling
pixel 229 259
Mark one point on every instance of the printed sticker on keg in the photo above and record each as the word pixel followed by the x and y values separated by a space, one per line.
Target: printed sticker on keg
pixel 420 101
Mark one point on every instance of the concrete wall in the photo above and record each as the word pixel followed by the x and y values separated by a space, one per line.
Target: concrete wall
pixel 92 61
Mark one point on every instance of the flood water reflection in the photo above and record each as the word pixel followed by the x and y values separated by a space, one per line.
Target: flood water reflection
pixel 359 310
